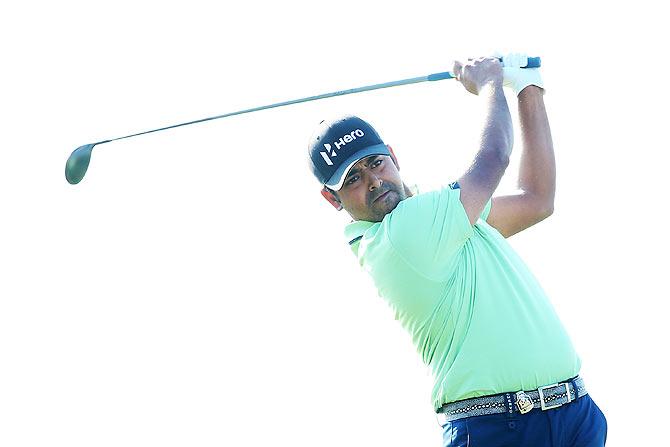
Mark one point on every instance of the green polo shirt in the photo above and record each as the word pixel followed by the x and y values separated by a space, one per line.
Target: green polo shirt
pixel 476 314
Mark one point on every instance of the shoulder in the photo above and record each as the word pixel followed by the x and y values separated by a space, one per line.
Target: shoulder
pixel 426 205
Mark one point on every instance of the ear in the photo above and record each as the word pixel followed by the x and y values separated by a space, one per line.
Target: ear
pixel 330 197
pixel 393 157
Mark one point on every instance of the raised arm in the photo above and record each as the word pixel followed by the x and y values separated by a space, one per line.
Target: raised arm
pixel 534 200
pixel 483 77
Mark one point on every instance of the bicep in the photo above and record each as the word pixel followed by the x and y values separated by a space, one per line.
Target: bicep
pixel 513 213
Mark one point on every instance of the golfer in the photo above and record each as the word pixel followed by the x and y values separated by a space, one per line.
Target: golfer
pixel 505 371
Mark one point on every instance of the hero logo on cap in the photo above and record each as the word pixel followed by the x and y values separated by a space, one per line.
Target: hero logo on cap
pixel 341 142
pixel 325 154
pixel 346 141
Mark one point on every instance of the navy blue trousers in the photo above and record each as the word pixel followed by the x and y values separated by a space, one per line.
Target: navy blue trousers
pixel 577 424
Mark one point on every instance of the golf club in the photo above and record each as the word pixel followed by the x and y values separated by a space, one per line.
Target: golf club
pixel 77 163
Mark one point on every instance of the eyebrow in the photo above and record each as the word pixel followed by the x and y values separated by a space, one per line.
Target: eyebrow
pixel 355 171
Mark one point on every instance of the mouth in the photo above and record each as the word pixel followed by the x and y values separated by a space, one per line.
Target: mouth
pixel 381 196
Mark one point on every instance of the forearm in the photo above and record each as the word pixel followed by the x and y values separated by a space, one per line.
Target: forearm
pixel 495 145
pixel 497 135
pixel 537 169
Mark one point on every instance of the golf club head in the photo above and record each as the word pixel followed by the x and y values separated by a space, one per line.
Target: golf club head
pixel 77 164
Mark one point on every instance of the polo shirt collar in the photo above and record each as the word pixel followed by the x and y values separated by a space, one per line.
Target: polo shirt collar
pixel 354 232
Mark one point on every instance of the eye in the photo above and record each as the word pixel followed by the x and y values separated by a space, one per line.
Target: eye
pixel 376 163
pixel 351 180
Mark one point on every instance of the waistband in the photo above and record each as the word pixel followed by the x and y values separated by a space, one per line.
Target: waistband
pixel 544 398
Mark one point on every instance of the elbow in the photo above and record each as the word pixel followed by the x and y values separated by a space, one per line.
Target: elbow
pixel 549 205
pixel 546 211
pixel 542 207
pixel 543 204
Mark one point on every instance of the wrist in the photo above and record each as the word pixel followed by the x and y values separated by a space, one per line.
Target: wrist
pixel 492 88
pixel 529 78
pixel 519 79
pixel 531 90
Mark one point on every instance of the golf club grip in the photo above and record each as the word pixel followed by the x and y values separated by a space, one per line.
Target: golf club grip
pixel 533 62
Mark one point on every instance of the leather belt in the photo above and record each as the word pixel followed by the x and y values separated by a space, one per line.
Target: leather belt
pixel 544 398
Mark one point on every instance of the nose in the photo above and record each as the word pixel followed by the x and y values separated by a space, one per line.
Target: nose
pixel 375 182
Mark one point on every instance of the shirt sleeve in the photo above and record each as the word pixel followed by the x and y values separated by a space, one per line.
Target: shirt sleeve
pixel 428 230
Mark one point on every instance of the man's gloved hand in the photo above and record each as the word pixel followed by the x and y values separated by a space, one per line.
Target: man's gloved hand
pixel 518 78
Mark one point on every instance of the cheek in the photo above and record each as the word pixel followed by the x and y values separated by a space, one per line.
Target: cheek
pixel 390 171
pixel 354 199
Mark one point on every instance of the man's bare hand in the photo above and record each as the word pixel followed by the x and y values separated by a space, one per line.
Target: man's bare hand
pixel 478 73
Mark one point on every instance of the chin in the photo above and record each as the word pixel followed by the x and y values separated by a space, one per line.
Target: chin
pixel 388 205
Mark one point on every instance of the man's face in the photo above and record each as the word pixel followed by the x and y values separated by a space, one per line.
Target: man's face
pixel 372 188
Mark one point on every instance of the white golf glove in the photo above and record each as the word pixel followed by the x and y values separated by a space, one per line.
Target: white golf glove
pixel 518 78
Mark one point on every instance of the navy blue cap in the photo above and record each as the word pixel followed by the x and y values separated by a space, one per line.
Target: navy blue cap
pixel 339 144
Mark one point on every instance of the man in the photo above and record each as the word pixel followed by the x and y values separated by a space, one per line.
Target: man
pixel 505 370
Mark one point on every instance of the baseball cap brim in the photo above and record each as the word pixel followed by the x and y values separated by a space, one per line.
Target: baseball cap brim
pixel 337 179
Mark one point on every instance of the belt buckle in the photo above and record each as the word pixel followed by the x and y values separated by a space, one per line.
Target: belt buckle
pixel 523 402
pixel 541 391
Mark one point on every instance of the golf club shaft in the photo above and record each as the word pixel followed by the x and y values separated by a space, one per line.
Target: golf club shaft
pixel 533 62
pixel 297 101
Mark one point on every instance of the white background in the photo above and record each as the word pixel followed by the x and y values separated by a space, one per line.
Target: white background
pixel 194 288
